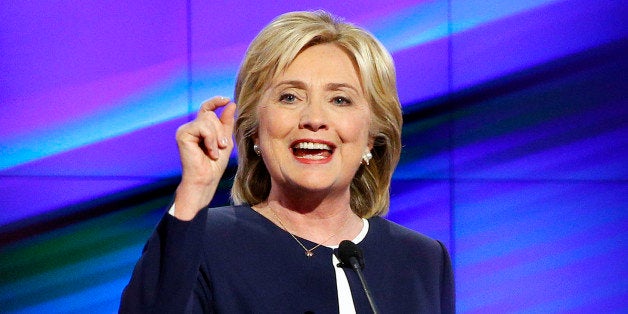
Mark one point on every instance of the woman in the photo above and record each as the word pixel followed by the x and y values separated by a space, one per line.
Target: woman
pixel 318 133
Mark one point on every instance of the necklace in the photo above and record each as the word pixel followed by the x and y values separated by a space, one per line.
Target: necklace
pixel 308 252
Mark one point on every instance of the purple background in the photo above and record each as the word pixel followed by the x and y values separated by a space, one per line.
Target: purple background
pixel 515 139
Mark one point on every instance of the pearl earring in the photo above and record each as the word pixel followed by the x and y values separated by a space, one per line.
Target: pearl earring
pixel 366 157
pixel 257 150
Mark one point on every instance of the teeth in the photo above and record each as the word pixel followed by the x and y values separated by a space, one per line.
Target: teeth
pixel 310 145
pixel 312 157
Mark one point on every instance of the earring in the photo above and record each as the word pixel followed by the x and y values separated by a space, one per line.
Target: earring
pixel 257 150
pixel 366 157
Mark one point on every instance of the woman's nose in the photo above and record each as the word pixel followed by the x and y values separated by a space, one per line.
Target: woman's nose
pixel 313 117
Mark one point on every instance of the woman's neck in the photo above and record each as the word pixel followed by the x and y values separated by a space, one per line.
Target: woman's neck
pixel 327 219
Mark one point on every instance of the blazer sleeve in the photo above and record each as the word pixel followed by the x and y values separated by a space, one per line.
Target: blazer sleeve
pixel 165 277
pixel 447 286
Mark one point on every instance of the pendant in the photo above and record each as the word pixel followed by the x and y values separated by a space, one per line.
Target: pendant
pixel 309 253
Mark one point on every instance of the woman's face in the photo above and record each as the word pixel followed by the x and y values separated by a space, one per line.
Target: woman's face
pixel 314 123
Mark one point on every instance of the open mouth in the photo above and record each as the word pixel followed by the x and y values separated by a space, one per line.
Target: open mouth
pixel 312 150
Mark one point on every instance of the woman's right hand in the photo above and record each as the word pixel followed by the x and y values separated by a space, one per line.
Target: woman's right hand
pixel 205 145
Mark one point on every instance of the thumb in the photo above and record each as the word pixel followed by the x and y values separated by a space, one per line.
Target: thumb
pixel 227 118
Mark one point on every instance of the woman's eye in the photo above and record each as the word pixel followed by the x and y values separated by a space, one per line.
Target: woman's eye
pixel 341 101
pixel 287 98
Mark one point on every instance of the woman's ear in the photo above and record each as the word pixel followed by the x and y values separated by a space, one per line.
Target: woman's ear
pixel 371 142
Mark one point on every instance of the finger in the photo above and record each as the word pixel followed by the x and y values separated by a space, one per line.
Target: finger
pixel 214 138
pixel 213 104
pixel 201 133
pixel 210 133
pixel 191 133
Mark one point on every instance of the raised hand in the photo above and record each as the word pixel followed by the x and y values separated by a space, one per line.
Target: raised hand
pixel 205 145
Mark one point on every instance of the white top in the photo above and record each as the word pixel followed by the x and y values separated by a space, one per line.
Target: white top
pixel 345 300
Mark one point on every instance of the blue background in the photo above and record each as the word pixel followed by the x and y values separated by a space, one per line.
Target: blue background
pixel 515 140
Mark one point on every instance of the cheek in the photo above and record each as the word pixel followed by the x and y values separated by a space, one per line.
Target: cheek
pixel 355 130
pixel 274 125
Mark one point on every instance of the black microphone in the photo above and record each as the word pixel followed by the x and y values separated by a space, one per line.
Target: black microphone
pixel 350 255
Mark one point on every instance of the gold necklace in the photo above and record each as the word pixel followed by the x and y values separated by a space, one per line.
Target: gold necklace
pixel 310 252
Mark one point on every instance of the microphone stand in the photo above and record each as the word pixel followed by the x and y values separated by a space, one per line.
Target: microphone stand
pixel 351 255
pixel 356 266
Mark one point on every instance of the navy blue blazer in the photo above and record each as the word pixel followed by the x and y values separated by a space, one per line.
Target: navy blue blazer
pixel 234 260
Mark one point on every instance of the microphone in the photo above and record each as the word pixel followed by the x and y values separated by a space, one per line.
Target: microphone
pixel 350 255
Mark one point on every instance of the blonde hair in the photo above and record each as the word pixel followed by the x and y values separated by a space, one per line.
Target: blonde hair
pixel 271 52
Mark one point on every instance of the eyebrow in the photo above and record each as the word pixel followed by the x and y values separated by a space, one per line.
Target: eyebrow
pixel 294 83
pixel 339 86
pixel 329 86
